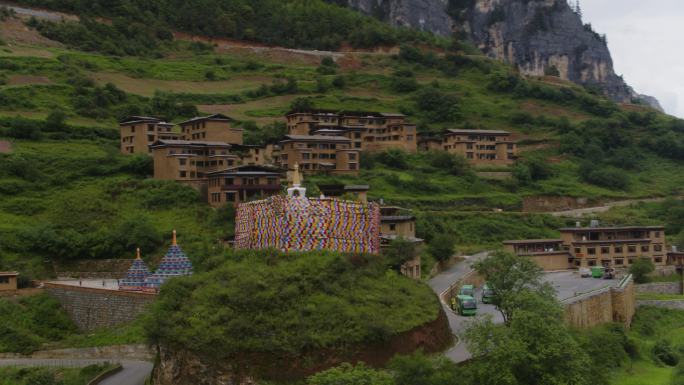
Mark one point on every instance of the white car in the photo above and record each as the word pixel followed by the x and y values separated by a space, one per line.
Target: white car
pixel 585 272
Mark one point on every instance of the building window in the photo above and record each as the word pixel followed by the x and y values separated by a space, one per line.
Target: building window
pixel 570 261
pixel 271 181
pixel 656 234
pixel 605 250
pixel 150 127
pixel 352 166
pixel 644 249
pixel 592 262
pixel 182 162
pixel 510 146
pixel 150 138
pixel 192 174
pixel 352 156
pixel 357 135
pixel 469 155
pixel 630 261
pixel 619 262
pixel 658 260
pixel 230 197
pixel 578 250
pixel 469 146
pixel 591 251
pixel 229 181
pixel 4 280
pixel 657 247
pixel 631 249
pixel 393 226
pixel 183 174
pixel 618 249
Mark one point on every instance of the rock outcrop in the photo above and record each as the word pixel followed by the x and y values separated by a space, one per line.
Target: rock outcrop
pixel 540 37
pixel 428 15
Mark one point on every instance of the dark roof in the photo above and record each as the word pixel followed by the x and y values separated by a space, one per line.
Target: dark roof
pixel 249 169
pixel 360 114
pixel 526 241
pixel 218 117
pixel 140 119
pixel 397 218
pixel 468 132
pixel 322 138
pixel 188 143
pixel 616 228
pixel 8 273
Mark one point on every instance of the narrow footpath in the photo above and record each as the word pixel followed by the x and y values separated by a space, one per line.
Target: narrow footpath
pixel 133 373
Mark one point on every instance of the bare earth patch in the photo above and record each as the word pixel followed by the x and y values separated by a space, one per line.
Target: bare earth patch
pixel 23 80
pixel 14 31
pixel 5 147
pixel 147 87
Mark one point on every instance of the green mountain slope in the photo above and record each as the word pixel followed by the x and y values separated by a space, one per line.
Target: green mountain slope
pixel 67 193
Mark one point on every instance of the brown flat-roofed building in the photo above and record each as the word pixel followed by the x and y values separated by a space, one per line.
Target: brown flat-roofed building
pixel 255 154
pixel 319 154
pixel 190 161
pixel 8 280
pixel 139 132
pixel 368 131
pixel 479 147
pixel 212 128
pixel 399 223
pixel 242 184
pixel 582 247
pixel 360 192
pixel 550 254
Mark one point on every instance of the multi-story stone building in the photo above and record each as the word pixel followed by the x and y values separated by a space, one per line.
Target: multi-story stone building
pixel 318 154
pixel 368 131
pixel 479 147
pixel 190 161
pixel 139 132
pixel 212 128
pixel 242 184
pixel 397 222
pixel 595 246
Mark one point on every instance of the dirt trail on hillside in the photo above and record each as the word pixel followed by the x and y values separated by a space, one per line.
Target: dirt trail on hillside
pixel 5 147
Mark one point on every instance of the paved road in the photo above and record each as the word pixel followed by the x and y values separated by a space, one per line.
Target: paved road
pixel 133 373
pixel 579 213
pixel 567 284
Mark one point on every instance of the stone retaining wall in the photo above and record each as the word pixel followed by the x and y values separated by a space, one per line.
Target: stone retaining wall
pixel 660 288
pixel 611 304
pixel 92 308
pixel 114 352
pixel 671 304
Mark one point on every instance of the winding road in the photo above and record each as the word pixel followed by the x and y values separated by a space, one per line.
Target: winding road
pixel 133 373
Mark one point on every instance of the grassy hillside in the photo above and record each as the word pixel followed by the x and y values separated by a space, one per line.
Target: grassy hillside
pixel 68 194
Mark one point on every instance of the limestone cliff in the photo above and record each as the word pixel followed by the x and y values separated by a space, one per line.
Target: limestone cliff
pixel 538 36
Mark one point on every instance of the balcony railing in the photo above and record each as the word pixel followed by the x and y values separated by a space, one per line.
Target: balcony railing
pixel 251 187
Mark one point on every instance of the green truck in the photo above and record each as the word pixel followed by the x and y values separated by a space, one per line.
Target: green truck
pixel 468 290
pixel 465 305
pixel 487 294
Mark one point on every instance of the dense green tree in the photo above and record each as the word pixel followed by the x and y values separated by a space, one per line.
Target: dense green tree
pixel 441 247
pixel 534 348
pixel 641 268
pixel 347 374
pixel 509 276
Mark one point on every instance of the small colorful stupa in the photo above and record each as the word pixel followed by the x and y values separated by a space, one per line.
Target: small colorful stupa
pixel 174 264
pixel 135 276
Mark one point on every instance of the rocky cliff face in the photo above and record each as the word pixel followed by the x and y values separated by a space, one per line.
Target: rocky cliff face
pixel 429 15
pixel 538 36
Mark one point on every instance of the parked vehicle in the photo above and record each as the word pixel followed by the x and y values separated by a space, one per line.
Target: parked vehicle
pixel 468 290
pixel 609 273
pixel 584 272
pixel 597 271
pixel 487 294
pixel 466 305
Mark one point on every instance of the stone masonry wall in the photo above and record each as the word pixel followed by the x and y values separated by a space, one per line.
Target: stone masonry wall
pixel 660 288
pixel 93 308
pixel 671 304
pixel 614 304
